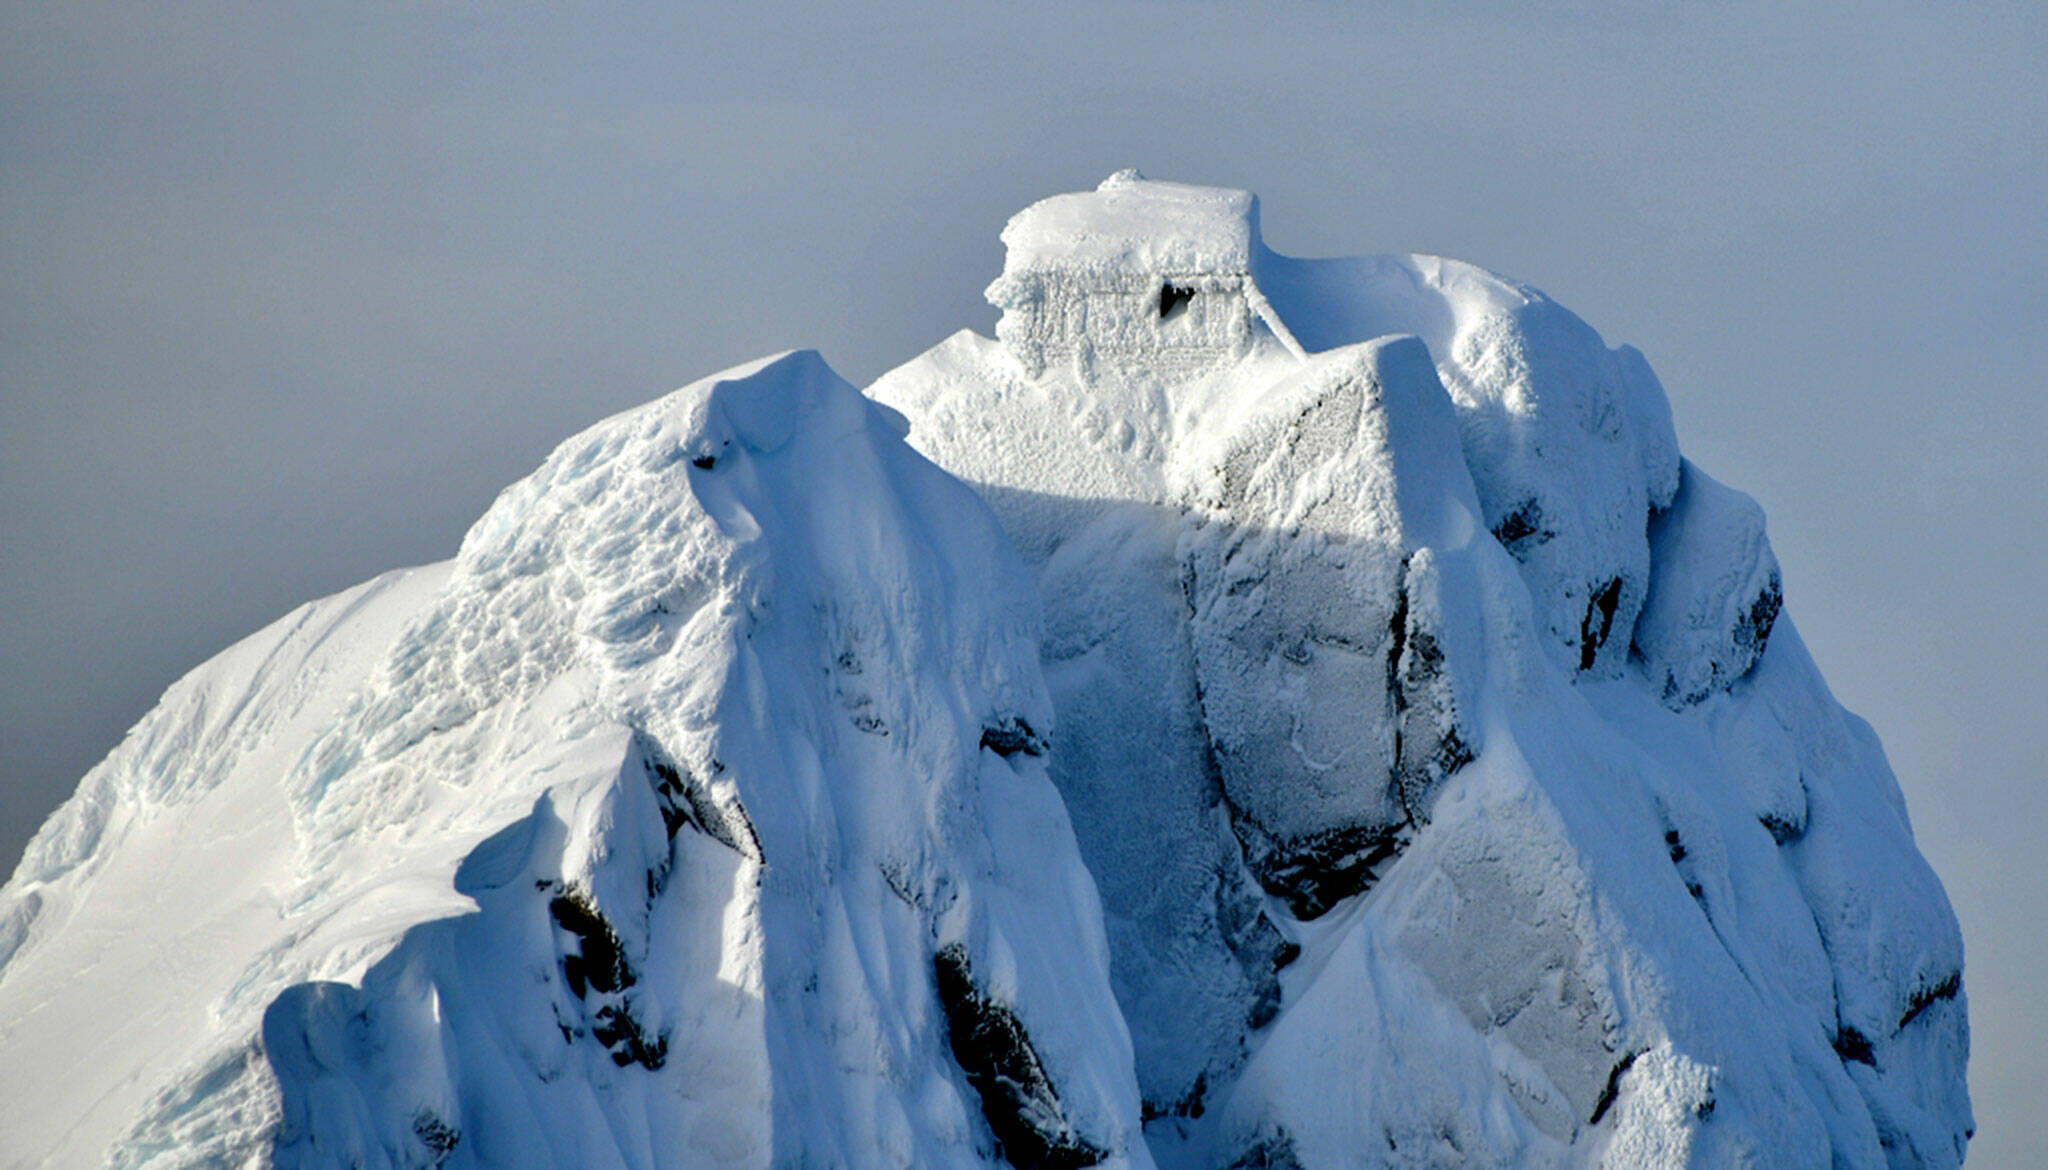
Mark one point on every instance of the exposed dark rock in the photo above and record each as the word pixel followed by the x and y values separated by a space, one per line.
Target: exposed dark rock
pixel 705 459
pixel 1598 622
pixel 991 1047
pixel 1274 1152
pixel 1927 996
pixel 684 800
pixel 1265 1006
pixel 1397 630
pixel 1753 628
pixel 1522 529
pixel 600 975
pixel 1315 873
pixel 1189 1105
pixel 1780 828
pixel 671 794
pixel 1744 648
pixel 1613 1086
pixel 438 1136
pixel 1252 938
pixel 614 1027
pixel 1010 735
pixel 1428 745
pixel 1851 1044
pixel 1713 596
pixel 599 963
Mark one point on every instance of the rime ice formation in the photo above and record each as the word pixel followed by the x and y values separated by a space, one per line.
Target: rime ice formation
pixel 696 815
pixel 1343 732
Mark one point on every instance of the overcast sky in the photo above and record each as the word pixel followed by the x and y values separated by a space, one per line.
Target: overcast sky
pixel 291 290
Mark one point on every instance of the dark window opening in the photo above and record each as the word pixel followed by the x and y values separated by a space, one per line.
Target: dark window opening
pixel 1173 299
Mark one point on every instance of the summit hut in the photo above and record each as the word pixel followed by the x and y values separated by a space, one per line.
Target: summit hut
pixel 1135 273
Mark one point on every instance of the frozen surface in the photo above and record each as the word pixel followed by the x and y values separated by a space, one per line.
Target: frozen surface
pixel 1342 732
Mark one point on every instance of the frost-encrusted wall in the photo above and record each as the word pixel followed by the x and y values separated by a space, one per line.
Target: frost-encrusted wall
pixel 1139 273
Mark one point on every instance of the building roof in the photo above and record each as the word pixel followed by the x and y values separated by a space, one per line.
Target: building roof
pixel 1133 223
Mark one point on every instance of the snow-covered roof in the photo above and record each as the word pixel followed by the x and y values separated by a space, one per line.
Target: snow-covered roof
pixel 1131 222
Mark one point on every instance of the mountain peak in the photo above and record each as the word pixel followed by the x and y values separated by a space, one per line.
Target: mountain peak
pixel 1251 712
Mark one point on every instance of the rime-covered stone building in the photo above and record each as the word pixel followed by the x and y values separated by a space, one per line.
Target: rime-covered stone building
pixel 1134 272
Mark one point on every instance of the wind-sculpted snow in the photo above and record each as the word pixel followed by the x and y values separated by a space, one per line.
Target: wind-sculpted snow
pixel 1412 766
pixel 641 843
pixel 1568 442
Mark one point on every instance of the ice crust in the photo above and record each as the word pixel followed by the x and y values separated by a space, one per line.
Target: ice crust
pixel 1314 719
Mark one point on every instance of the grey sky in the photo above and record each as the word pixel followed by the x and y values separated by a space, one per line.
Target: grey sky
pixel 291 290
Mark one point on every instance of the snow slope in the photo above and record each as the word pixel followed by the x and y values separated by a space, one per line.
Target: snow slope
pixel 1335 729
pixel 696 815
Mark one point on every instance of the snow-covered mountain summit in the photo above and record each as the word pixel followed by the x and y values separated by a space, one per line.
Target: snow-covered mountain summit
pixel 1335 729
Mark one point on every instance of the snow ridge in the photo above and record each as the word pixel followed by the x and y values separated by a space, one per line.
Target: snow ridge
pixel 647 833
